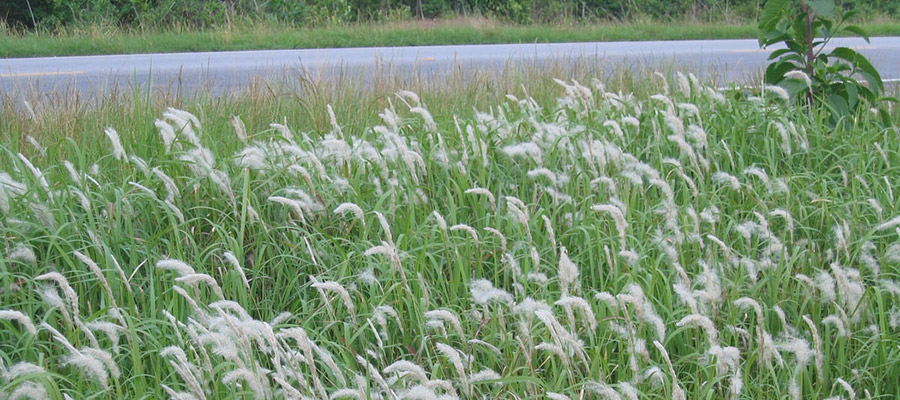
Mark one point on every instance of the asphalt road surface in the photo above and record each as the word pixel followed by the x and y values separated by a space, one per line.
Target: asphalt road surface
pixel 722 60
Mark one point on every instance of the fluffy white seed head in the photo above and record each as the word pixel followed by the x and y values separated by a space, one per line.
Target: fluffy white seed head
pixel 446 316
pixel 19 317
pixel 181 268
pixel 118 150
pixel 799 348
pixel 335 287
pixel 799 75
pixel 603 391
pixel 778 92
pixel 21 369
pixel 838 323
pixel 29 390
pixel 568 271
pixel 409 369
pixel 618 217
pixel 23 254
pixel 70 295
pixel 195 279
pixel 484 292
pixel 229 256
pixel 704 322
pixel 239 129
pixel 483 192
pixel 88 365
pixel 473 234
pixel 353 209
pixel 893 222
pixel 429 123
pixel 456 361
pixel 583 306
pixel 724 178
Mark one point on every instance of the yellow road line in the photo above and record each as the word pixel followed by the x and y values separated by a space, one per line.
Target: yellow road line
pixel 25 74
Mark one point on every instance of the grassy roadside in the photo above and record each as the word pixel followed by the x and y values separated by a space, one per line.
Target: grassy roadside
pixel 642 236
pixel 246 36
pixel 297 100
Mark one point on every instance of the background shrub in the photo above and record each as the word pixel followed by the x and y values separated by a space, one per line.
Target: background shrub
pixel 53 14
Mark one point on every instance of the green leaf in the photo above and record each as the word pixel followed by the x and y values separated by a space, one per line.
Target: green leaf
pixel 794 58
pixel 772 13
pixel 794 87
pixel 838 106
pixel 858 31
pixel 521 379
pixel 823 25
pixel 874 82
pixel 839 66
pixel 867 94
pixel 774 37
pixel 775 72
pixel 824 8
pixel 778 53
pixel 798 25
pixel 866 69
pixel 852 89
pixel 849 14
pixel 885 117
pixel 796 47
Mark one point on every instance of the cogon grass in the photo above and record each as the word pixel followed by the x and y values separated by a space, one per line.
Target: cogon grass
pixel 529 250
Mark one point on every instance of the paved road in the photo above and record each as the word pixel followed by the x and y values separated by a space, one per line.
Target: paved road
pixel 723 60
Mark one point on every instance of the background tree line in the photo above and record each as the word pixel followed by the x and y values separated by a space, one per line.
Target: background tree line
pixel 50 14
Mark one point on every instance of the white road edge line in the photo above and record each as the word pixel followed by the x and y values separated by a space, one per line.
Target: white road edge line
pixel 727 88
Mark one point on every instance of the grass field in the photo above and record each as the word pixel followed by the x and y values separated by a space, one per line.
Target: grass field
pixel 256 36
pixel 633 236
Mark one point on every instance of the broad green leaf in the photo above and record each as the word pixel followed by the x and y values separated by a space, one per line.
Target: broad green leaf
pixel 798 24
pixel 778 53
pixel 775 72
pixel 796 47
pixel 852 89
pixel 794 87
pixel 885 117
pixel 775 37
pixel 838 106
pixel 858 31
pixel 841 67
pixel 867 94
pixel 874 82
pixel 824 8
pixel 866 69
pixel 794 58
pixel 824 24
pixel 772 13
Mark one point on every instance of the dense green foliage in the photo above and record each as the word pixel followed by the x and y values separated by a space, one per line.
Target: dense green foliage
pixel 677 242
pixel 278 35
pixel 840 78
pixel 50 14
